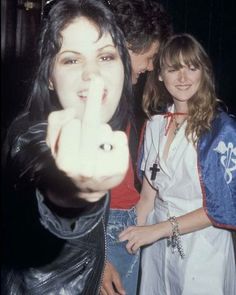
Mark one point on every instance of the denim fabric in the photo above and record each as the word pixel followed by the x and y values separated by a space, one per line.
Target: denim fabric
pixel 126 264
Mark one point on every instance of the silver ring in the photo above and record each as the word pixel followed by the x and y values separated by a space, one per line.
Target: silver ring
pixel 106 147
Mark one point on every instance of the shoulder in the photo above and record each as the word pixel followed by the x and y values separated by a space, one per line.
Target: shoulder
pixel 17 126
pixel 224 119
pixel 223 127
pixel 153 128
pixel 155 125
pixel 20 123
pixel 22 132
pixel 155 121
pixel 218 143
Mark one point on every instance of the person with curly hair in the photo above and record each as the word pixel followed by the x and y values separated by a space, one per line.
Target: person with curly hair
pixel 145 25
pixel 188 196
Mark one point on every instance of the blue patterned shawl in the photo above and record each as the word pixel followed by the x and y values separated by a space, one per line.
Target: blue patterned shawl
pixel 217 171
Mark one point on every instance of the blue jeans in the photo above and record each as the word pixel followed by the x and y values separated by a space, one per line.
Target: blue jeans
pixel 126 264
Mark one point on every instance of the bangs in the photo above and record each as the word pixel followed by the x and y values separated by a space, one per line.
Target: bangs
pixel 180 52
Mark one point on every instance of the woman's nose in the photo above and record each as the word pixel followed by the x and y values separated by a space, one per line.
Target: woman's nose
pixel 89 71
pixel 182 75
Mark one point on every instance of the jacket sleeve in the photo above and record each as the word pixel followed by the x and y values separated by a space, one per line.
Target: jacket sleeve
pixel 30 164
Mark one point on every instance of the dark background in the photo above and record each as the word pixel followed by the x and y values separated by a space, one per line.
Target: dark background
pixel 212 22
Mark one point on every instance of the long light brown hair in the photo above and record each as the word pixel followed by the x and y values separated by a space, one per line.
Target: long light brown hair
pixel 203 104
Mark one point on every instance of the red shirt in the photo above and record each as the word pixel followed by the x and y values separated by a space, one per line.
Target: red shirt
pixel 125 195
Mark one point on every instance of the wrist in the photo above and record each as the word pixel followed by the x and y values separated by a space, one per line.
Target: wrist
pixel 174 240
pixel 72 206
pixel 163 229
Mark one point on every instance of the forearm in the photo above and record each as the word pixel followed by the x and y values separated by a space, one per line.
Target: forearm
pixel 146 202
pixel 138 236
pixel 74 200
pixel 190 222
pixel 143 208
pixel 70 205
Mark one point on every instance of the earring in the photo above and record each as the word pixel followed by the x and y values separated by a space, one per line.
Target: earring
pixel 160 78
pixel 50 86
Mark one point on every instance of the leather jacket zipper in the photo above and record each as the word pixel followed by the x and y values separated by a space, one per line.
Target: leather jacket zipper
pixel 105 256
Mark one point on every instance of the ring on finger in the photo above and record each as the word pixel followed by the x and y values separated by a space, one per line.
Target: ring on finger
pixel 107 147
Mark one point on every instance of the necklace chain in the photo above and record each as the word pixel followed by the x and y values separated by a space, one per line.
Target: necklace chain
pixel 173 119
pixel 177 125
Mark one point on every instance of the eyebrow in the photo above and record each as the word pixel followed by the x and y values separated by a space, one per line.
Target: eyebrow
pixel 77 52
pixel 106 46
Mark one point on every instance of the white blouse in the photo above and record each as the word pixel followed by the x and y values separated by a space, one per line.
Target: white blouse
pixel 178 180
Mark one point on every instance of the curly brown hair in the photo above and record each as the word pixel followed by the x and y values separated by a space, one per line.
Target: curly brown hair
pixel 203 104
pixel 142 22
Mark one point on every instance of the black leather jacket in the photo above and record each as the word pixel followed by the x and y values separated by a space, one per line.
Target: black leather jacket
pixel 46 249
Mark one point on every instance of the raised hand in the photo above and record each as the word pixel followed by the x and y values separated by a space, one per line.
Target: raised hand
pixel 89 152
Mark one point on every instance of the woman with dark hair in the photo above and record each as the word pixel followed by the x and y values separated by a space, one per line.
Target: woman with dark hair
pixel 188 196
pixel 61 156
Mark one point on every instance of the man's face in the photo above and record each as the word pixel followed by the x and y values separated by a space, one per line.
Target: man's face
pixel 142 62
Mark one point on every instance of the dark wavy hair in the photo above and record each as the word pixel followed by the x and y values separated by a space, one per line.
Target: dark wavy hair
pixel 42 101
pixel 142 21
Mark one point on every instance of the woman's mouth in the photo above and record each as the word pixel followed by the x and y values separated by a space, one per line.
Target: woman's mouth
pixel 83 95
pixel 183 87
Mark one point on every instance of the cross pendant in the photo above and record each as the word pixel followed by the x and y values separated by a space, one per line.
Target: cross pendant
pixel 154 170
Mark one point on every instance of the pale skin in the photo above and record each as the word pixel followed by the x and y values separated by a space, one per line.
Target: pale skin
pixel 182 84
pixel 89 94
pixel 111 276
pixel 140 63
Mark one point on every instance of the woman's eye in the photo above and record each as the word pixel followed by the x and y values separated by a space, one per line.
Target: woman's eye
pixel 70 61
pixel 193 69
pixel 171 70
pixel 106 58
